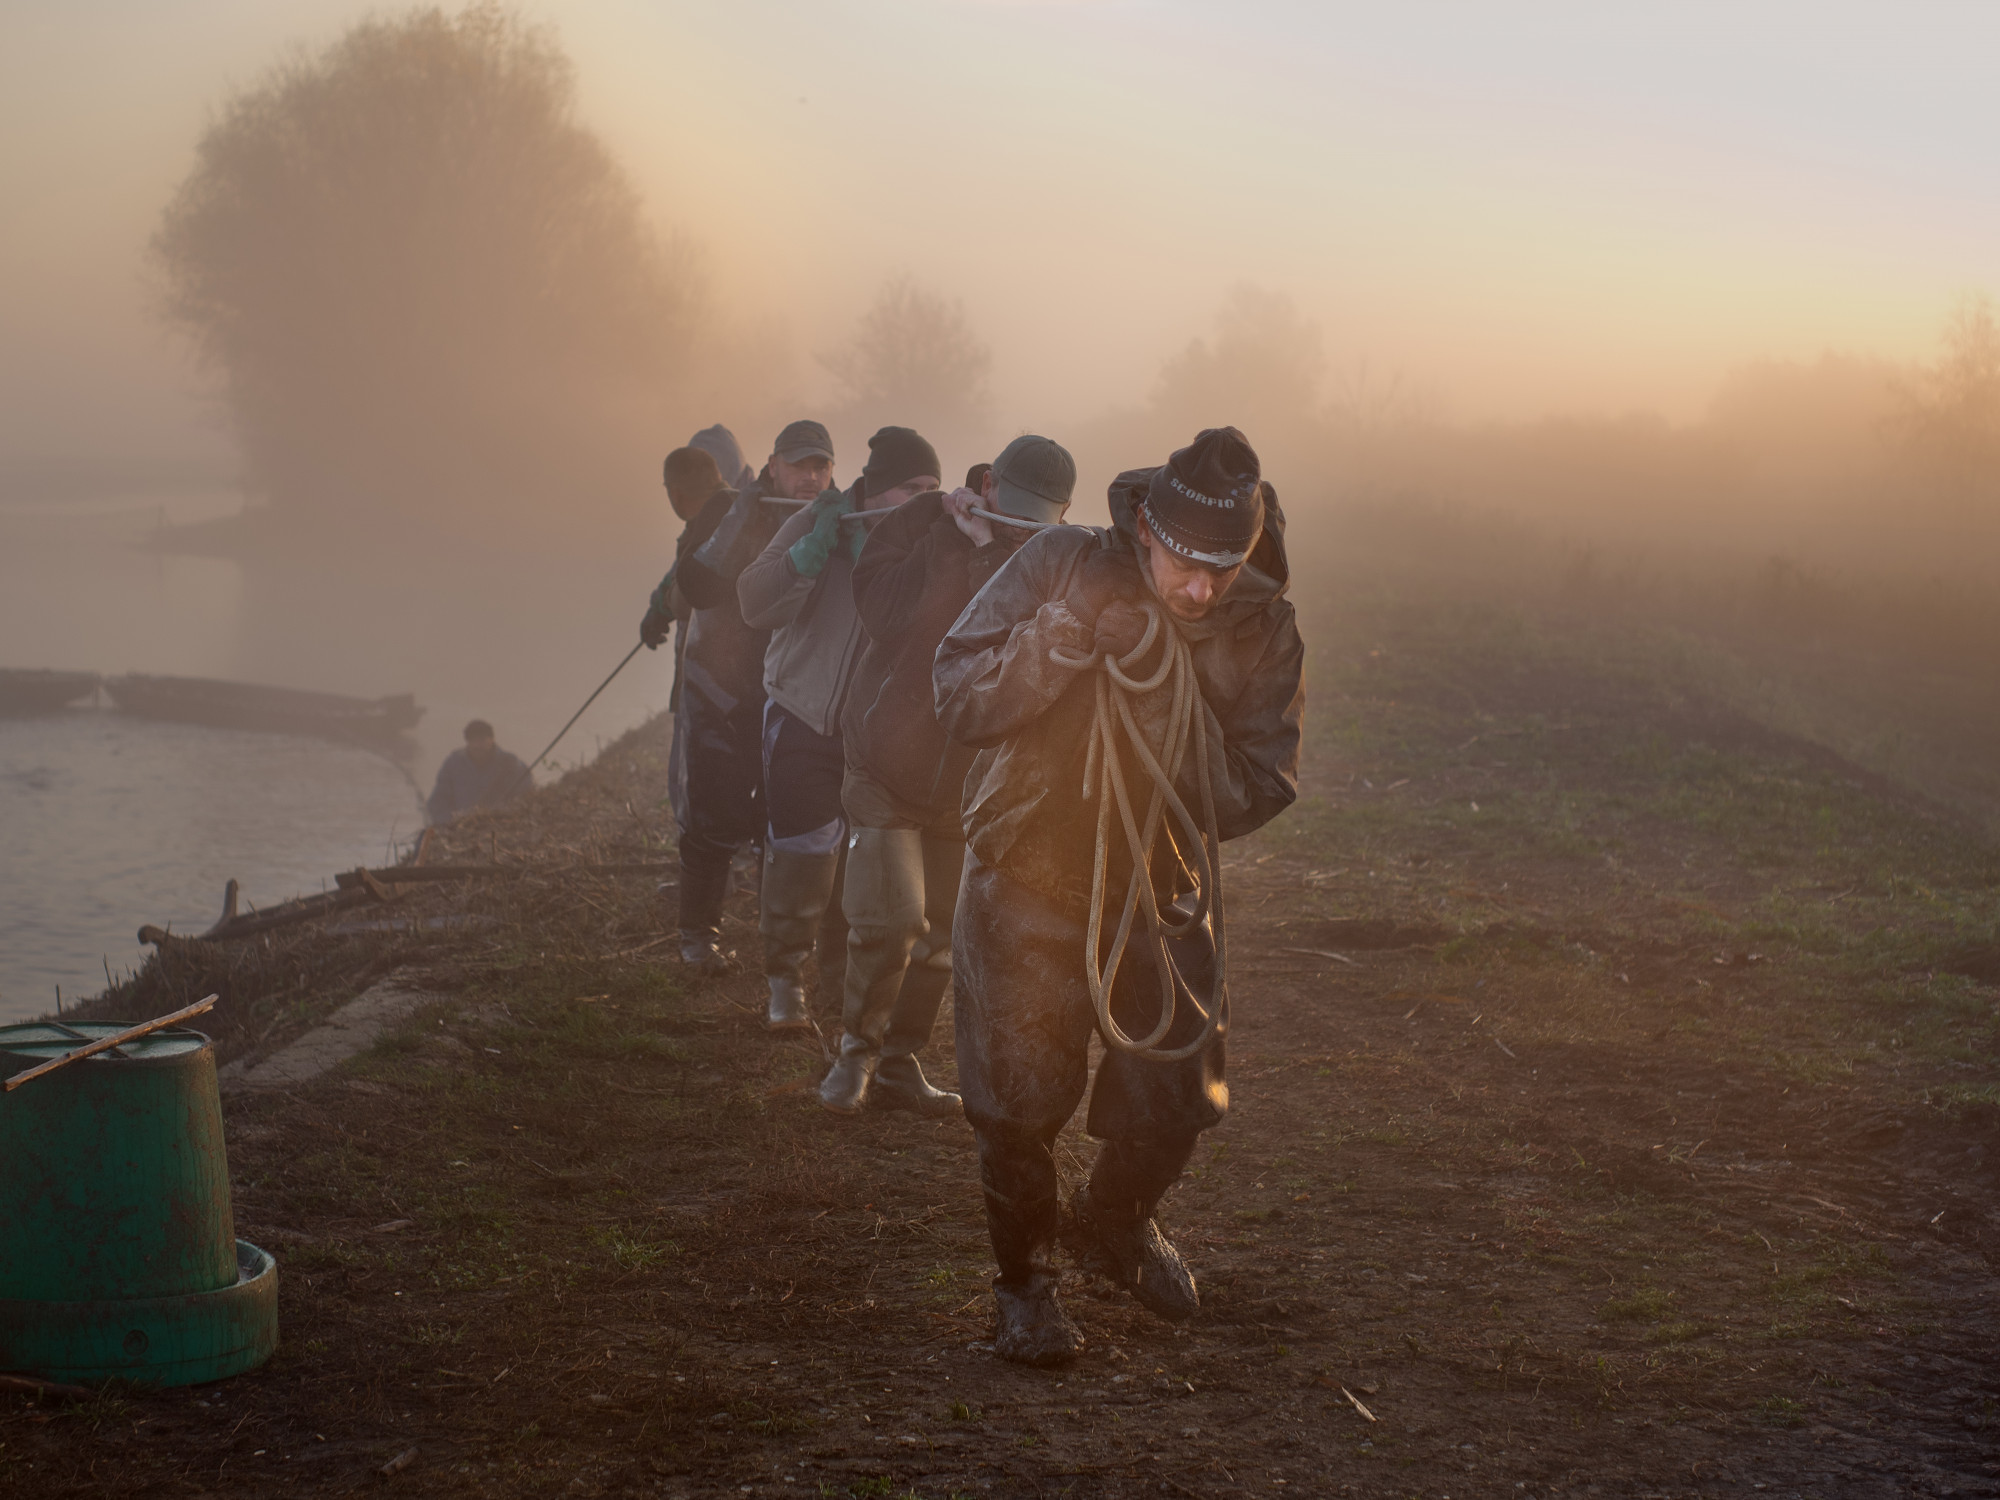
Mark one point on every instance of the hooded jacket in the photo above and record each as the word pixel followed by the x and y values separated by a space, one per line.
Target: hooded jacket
pixel 671 599
pixel 816 636
pixel 724 659
pixel 914 579
pixel 1030 719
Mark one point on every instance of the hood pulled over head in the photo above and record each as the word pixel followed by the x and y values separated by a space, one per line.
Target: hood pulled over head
pixel 720 444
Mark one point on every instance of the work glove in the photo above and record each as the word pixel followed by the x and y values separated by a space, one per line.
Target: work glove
pixel 654 629
pixel 810 552
pixel 1106 576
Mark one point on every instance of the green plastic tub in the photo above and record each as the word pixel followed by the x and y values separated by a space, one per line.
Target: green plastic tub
pixel 118 1250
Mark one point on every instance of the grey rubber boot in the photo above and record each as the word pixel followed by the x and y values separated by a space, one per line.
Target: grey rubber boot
pixel 1112 1230
pixel 883 899
pixel 899 1079
pixel 704 888
pixel 796 890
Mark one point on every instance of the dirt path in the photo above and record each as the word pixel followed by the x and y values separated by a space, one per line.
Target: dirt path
pixel 1581 1177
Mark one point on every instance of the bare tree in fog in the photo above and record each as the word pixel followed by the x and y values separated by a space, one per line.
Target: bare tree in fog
pixel 915 361
pixel 1951 408
pixel 431 295
pixel 1260 370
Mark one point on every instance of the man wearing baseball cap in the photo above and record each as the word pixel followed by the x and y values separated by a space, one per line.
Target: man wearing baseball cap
pixel 800 588
pixel 905 780
pixel 1200 542
pixel 721 699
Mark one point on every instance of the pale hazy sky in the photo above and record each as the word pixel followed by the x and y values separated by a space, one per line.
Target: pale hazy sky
pixel 1586 207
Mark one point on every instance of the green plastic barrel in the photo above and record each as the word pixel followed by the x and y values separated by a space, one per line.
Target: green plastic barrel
pixel 118 1252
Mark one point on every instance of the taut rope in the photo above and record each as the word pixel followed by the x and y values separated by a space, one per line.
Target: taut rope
pixel 1116 692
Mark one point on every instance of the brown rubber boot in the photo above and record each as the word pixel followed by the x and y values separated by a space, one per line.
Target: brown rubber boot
pixel 1018 1181
pixel 1111 1229
pixel 882 896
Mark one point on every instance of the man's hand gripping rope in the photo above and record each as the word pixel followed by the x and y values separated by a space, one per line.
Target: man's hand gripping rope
pixel 1117 690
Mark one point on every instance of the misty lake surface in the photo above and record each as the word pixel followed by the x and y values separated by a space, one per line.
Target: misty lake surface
pixel 110 821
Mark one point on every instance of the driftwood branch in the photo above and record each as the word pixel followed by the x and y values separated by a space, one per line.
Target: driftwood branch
pixel 358 887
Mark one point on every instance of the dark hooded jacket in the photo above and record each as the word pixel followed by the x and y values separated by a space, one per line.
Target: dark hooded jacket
pixel 1030 718
pixel 725 657
pixel 914 579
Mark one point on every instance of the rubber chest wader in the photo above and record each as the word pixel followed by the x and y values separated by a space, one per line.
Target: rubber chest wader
pixel 1111 1223
pixel 901 888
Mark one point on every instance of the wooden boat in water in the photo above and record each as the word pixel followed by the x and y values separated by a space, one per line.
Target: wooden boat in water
pixel 40 691
pixel 377 722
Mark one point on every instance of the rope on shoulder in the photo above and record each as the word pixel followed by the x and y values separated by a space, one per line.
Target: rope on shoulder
pixel 1104 779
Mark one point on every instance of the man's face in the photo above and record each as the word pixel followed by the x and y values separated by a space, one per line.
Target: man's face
pixel 687 505
pixel 803 480
pixel 908 490
pixel 480 748
pixel 1189 589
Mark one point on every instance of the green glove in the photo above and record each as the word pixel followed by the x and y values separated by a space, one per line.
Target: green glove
pixel 810 552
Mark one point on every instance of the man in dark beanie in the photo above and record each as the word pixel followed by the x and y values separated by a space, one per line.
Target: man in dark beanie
pixel 801 589
pixel 1198 542
pixel 905 779
pixel 719 722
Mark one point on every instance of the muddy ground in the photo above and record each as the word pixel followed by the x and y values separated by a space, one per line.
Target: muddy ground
pixel 1614 1095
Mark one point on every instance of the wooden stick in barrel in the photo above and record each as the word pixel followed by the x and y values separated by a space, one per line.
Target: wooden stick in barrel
pixel 106 1043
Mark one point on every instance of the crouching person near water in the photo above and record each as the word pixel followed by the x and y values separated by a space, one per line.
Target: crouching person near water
pixel 905 780
pixel 1200 541
pixel 801 589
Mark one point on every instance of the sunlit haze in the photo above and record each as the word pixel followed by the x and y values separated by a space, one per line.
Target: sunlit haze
pixel 1523 208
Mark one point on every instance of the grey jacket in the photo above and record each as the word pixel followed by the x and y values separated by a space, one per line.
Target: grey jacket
pixel 816 635
pixel 997 690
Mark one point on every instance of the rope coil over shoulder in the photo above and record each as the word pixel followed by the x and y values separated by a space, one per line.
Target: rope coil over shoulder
pixel 1104 779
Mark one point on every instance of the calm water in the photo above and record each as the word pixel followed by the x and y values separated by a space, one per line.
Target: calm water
pixel 109 822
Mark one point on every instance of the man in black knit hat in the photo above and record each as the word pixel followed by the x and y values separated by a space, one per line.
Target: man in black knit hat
pixel 801 589
pixel 905 779
pixel 1201 540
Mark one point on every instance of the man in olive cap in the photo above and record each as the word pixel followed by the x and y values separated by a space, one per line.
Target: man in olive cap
pixel 905 780
pixel 1199 542
pixel 722 681
pixel 801 589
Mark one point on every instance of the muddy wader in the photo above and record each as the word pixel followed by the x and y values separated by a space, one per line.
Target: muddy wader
pixel 1024 1020
pixel 725 809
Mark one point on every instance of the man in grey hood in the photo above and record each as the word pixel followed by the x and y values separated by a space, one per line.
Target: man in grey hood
pixel 1201 541
pixel 702 482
